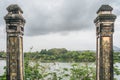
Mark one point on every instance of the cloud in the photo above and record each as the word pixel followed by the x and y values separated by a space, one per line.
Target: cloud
pixel 56 16
pixel 59 16
pixel 2 32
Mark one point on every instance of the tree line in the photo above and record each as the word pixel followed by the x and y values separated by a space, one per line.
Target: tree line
pixel 63 55
pixel 76 72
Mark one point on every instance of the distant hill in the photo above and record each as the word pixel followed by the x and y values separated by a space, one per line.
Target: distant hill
pixel 116 49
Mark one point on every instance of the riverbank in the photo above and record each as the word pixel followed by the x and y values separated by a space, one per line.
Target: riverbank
pixel 56 67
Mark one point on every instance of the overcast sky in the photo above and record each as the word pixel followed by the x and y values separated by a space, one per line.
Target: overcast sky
pixel 59 23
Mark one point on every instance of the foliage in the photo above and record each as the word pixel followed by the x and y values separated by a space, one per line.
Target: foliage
pixel 35 71
pixel 116 70
pixel 76 72
pixel 82 72
pixel 2 54
pixel 3 77
pixel 63 55
pixel 116 57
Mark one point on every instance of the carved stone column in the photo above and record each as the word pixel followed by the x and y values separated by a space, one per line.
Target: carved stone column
pixel 104 32
pixel 15 30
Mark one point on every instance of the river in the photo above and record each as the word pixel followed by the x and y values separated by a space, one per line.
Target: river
pixel 53 66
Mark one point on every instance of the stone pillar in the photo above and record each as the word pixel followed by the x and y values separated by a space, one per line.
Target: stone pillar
pixel 104 35
pixel 15 30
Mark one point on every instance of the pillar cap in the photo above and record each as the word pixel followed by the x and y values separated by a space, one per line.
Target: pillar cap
pixel 105 8
pixel 103 17
pixel 14 7
pixel 106 16
pixel 14 14
pixel 14 17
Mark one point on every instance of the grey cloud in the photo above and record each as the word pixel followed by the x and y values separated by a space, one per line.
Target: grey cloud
pixel 44 17
pixel 73 15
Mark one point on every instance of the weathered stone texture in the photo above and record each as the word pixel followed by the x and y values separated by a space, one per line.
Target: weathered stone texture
pixel 104 54
pixel 15 30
